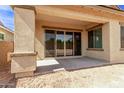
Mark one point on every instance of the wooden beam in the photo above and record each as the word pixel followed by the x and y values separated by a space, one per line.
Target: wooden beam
pixel 49 27
pixel 94 27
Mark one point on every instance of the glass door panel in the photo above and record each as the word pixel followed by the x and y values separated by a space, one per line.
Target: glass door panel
pixel 77 43
pixel 50 43
pixel 69 43
pixel 60 43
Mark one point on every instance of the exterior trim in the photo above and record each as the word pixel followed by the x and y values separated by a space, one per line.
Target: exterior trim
pixel 50 27
pixel 64 57
pixel 23 54
pixel 95 49
pixel 121 49
pixel 111 8
pixel 64 42
pixel 6 29
pixel 94 27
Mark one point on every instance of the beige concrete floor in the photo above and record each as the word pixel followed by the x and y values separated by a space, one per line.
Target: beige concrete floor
pixel 69 64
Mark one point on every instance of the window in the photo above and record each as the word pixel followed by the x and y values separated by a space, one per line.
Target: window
pixel 1 36
pixel 95 38
pixel 122 36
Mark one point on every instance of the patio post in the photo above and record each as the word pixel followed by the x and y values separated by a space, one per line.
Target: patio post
pixel 111 38
pixel 24 55
pixel 116 55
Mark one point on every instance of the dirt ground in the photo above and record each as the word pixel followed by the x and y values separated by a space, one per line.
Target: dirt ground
pixel 100 77
pixel 6 78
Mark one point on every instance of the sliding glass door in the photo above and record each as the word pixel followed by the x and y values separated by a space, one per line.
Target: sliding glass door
pixel 50 43
pixel 69 43
pixel 62 43
pixel 77 43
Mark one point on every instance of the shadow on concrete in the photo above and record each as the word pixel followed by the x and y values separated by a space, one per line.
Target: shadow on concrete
pixel 53 65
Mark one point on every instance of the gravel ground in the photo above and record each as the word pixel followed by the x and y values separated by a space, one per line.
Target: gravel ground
pixel 106 76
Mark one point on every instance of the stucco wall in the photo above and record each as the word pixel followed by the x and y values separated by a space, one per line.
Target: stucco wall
pixel 24 57
pixel 39 40
pixel 105 44
pixel 110 36
pixel 116 54
pixel 40 36
pixel 111 44
pixel 40 46
pixel 8 36
pixel 110 41
pixel 24 30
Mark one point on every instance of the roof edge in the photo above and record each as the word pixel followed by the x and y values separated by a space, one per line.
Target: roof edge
pixel 111 8
pixel 8 30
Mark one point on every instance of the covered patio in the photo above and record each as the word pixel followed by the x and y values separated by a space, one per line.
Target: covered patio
pixel 69 64
pixel 51 31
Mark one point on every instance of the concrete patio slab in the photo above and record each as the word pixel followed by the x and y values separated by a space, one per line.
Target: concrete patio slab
pixel 69 64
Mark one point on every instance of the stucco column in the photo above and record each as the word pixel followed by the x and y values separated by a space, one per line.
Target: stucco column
pixel 116 56
pixel 24 56
pixel 112 42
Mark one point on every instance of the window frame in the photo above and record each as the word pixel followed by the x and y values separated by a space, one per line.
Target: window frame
pixel 73 31
pixel 121 36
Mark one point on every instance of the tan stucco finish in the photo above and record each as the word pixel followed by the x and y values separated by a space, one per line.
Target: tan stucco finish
pixel 24 30
pixel 110 36
pixel 105 55
pixel 105 42
pixel 19 64
pixel 116 55
pixel 24 57
pixel 30 36
pixel 39 40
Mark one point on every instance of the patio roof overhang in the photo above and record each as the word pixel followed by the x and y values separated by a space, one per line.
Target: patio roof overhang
pixel 98 14
pixel 26 19
pixel 64 12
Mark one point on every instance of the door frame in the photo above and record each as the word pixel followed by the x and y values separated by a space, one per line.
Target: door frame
pixel 64 30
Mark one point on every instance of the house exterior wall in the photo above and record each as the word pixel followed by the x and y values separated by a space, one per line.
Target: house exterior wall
pixel 8 36
pixel 40 35
pixel 40 38
pixel 29 36
pixel 99 54
pixel 110 41
pixel 116 54
pixel 24 27
pixel 111 44
pixel 110 31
